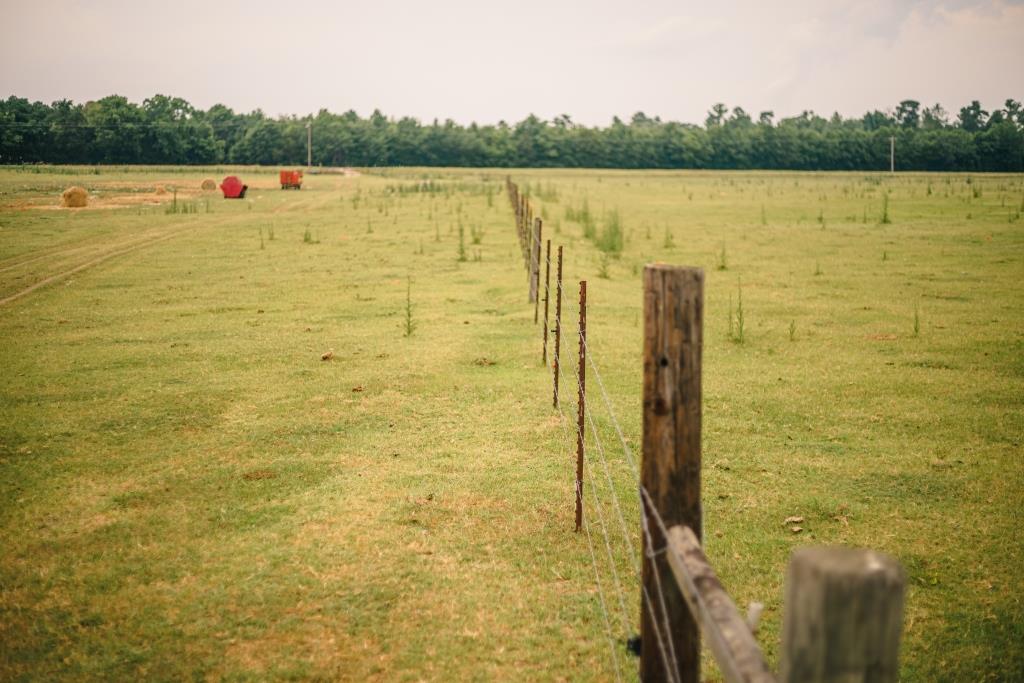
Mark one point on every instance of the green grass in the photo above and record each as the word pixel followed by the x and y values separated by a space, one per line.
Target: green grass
pixel 189 491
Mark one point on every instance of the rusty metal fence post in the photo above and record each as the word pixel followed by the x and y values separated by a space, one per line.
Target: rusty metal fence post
pixel 547 298
pixel 558 326
pixel 581 404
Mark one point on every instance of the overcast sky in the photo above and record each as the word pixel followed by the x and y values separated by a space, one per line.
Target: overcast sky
pixel 474 60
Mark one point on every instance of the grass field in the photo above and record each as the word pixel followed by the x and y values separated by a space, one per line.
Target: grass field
pixel 188 491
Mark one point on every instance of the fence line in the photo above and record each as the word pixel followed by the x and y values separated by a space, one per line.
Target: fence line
pixel 827 635
pixel 585 416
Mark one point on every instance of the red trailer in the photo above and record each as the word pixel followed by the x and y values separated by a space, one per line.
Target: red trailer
pixel 291 180
pixel 233 188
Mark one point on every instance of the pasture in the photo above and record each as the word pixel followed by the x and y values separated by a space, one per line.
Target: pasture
pixel 187 490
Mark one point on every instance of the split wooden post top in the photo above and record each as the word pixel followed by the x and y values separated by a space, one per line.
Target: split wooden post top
pixel 843 616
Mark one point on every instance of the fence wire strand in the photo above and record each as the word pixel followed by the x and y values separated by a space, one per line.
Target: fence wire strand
pixel 597 575
pixel 661 630
pixel 667 653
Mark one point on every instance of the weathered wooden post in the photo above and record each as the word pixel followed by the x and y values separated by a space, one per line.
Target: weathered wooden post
pixel 535 268
pixel 843 617
pixel 670 471
pixel 527 223
pixel 558 324
pixel 516 205
pixel 547 297
pixel 581 405
pixel 530 230
pixel 521 222
pixel 529 249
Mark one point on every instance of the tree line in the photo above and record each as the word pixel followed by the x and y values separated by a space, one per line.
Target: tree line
pixel 169 130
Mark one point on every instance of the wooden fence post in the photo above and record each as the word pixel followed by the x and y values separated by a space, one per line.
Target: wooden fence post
pixel 529 250
pixel 516 206
pixel 527 232
pixel 581 405
pixel 547 297
pixel 520 214
pixel 535 268
pixel 670 471
pixel 843 617
pixel 558 324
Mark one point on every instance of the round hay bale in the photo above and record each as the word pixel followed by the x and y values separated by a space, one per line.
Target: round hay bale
pixel 209 184
pixel 75 197
pixel 160 189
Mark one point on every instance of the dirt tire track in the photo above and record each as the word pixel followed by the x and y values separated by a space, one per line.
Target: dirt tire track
pixel 96 245
pixel 89 264
pixel 12 262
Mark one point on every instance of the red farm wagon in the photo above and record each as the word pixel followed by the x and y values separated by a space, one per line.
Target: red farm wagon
pixel 291 180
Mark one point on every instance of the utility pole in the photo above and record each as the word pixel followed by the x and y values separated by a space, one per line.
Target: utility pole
pixel 309 144
pixel 892 154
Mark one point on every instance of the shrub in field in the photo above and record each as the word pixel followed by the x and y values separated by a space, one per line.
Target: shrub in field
pixel 737 322
pixel 740 336
pixel 410 324
pixel 582 216
pixel 462 244
pixel 611 239
pixel 731 329
pixel 176 207
pixel 886 220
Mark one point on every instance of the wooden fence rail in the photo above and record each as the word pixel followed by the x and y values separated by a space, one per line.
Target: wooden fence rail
pixel 729 636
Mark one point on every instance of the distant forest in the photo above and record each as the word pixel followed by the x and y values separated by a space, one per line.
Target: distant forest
pixel 168 130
